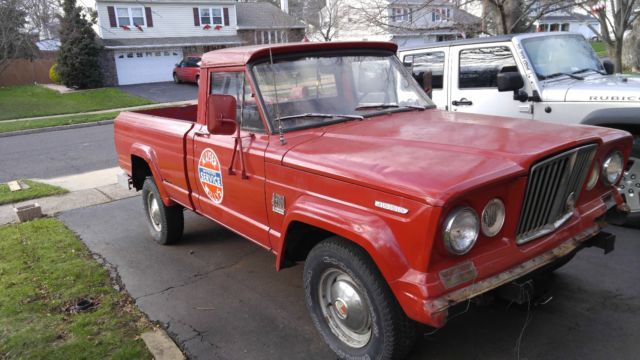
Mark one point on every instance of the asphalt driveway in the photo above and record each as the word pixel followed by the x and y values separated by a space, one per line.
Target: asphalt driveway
pixel 220 298
pixel 163 91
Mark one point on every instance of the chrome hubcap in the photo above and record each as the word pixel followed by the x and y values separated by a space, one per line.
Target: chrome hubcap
pixel 344 308
pixel 630 186
pixel 154 212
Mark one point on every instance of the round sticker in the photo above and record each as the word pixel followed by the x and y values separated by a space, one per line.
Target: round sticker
pixel 210 175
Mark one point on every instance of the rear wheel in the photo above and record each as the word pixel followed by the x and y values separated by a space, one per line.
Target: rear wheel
pixel 198 81
pixel 352 306
pixel 166 223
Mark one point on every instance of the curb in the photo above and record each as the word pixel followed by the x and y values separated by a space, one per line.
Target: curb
pixel 55 128
pixel 161 346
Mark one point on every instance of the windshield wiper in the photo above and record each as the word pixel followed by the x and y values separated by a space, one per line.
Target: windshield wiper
pixel 387 106
pixel 587 69
pixel 543 77
pixel 318 115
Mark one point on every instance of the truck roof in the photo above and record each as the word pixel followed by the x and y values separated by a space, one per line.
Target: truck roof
pixel 240 56
pixel 485 40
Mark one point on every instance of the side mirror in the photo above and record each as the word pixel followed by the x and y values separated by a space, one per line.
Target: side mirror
pixel 221 114
pixel 608 66
pixel 510 81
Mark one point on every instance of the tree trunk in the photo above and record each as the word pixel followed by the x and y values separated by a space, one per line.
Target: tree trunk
pixel 617 56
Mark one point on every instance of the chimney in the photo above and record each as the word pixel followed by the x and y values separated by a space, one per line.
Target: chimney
pixel 284 5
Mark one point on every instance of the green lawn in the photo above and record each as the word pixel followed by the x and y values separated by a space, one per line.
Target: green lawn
pixel 44 270
pixel 32 100
pixel 600 48
pixel 35 190
pixel 65 120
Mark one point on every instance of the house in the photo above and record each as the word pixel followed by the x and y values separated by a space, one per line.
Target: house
pixel 569 21
pixel 408 23
pixel 143 40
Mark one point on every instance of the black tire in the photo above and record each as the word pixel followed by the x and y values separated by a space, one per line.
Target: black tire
pixel 391 334
pixel 167 223
pixel 198 81
pixel 631 182
pixel 176 79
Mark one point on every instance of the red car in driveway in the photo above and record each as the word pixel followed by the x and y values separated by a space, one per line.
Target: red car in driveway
pixel 188 70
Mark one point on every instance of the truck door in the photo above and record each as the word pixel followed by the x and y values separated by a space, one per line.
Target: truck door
pixel 474 75
pixel 221 191
pixel 431 60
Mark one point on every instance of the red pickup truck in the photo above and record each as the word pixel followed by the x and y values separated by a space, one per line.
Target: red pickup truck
pixel 330 153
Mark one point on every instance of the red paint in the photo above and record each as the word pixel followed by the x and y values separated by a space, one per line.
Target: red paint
pixel 188 73
pixel 425 161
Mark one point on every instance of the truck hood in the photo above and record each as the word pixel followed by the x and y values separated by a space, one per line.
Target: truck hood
pixel 430 155
pixel 594 88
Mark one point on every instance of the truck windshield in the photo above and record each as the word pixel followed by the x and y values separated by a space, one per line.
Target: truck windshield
pixel 318 90
pixel 555 56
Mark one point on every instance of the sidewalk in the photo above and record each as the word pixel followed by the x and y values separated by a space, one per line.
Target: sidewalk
pixel 91 188
pixel 133 108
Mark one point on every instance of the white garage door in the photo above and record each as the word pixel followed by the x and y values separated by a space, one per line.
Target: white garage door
pixel 146 66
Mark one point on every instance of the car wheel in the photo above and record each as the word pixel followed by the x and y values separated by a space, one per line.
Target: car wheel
pixel 166 223
pixel 176 79
pixel 352 306
pixel 630 185
pixel 198 81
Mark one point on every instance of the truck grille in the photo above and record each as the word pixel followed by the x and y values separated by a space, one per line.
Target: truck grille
pixel 552 191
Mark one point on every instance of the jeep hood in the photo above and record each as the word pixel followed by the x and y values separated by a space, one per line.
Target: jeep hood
pixel 430 155
pixel 595 88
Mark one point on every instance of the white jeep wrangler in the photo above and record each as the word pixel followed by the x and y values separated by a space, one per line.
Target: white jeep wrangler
pixel 554 77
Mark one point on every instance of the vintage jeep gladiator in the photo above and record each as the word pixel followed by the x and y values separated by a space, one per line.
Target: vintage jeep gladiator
pixel 555 77
pixel 331 153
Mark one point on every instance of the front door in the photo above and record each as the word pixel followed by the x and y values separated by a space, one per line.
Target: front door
pixel 222 192
pixel 474 86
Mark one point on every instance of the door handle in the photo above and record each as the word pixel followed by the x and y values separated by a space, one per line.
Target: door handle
pixel 463 101
pixel 201 133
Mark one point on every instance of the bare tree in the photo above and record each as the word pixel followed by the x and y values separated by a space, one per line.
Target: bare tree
pixel 42 15
pixel 15 40
pixel 515 16
pixel 332 18
pixel 614 20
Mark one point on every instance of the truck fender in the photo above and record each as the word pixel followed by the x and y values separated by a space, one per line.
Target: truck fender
pixel 146 153
pixel 611 117
pixel 364 228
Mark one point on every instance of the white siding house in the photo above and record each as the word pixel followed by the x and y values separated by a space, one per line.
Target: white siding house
pixel 572 22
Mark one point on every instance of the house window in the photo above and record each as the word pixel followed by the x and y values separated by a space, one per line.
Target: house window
pixel 128 16
pixel 271 36
pixel 440 14
pixel 400 14
pixel 564 27
pixel 211 16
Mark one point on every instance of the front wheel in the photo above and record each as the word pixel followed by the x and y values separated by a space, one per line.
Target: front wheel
pixel 198 81
pixel 166 223
pixel 629 186
pixel 352 306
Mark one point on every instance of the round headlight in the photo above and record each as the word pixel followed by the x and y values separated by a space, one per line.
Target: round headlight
pixel 593 177
pixel 493 217
pixel 461 230
pixel 612 168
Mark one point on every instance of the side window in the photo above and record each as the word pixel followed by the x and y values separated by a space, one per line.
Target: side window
pixel 230 83
pixel 431 61
pixel 479 68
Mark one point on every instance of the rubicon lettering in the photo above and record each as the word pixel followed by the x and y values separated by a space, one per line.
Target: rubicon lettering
pixel 613 98
pixel 210 175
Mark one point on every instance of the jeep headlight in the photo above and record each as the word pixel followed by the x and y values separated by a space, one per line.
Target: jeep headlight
pixel 460 231
pixel 612 168
pixel 492 217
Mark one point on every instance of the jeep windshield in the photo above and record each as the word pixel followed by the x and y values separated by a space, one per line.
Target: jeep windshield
pixel 312 91
pixel 562 56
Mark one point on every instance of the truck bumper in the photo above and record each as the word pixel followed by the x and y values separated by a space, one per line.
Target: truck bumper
pixel 434 311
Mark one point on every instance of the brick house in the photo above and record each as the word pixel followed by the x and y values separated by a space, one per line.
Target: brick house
pixel 143 40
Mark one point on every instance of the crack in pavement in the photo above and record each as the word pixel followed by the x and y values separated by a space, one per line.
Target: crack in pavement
pixel 198 276
pixel 198 333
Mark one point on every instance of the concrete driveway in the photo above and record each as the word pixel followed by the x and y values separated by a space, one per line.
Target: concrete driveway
pixel 220 298
pixel 163 91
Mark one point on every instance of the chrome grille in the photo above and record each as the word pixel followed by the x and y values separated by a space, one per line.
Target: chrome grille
pixel 552 191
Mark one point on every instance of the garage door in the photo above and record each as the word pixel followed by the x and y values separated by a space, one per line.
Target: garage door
pixel 146 66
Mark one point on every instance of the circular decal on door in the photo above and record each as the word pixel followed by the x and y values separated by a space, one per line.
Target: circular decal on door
pixel 210 175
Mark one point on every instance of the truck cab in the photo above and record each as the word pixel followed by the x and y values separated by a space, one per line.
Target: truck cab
pixel 547 77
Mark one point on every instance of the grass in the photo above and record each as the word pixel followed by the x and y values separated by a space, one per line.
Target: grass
pixel 65 120
pixel 35 190
pixel 44 269
pixel 600 48
pixel 33 100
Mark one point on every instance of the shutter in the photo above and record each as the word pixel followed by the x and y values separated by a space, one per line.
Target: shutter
pixel 147 13
pixel 112 16
pixel 196 17
pixel 225 12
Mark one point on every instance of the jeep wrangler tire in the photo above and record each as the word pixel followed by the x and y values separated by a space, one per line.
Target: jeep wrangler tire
pixel 351 305
pixel 166 223
pixel 630 185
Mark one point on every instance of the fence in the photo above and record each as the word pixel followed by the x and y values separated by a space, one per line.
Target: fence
pixel 24 71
